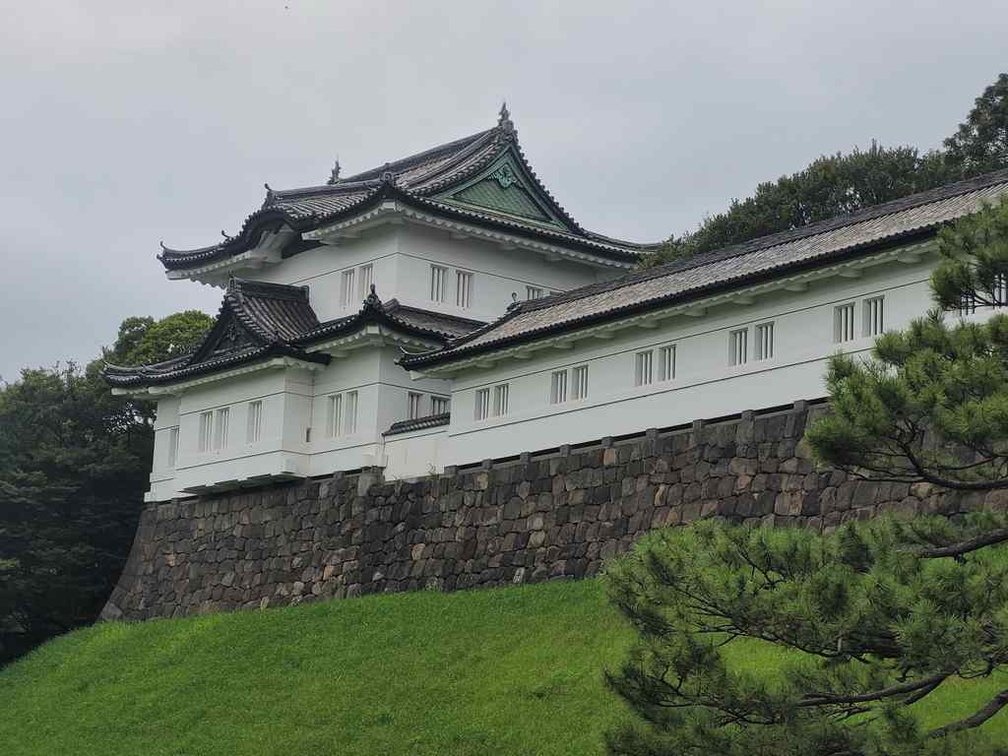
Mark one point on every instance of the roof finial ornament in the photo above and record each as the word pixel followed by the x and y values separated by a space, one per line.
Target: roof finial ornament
pixel 334 175
pixel 504 123
pixel 514 301
pixel 224 234
pixel 270 194
pixel 372 298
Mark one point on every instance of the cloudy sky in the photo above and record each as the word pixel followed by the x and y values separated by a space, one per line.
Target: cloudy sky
pixel 126 122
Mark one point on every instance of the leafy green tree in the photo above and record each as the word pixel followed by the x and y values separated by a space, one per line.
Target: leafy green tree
pixel 759 641
pixel 840 184
pixel 74 461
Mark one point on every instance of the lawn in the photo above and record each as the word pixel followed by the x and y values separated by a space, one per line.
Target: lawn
pixel 510 671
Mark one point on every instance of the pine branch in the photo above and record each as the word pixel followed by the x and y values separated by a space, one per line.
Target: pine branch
pixel 974 720
pixel 965 547
pixel 827 699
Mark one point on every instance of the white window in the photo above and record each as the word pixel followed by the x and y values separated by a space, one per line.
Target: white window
pixel 579 379
pixel 482 404
pixel 967 305
pixel 501 396
pixel 843 323
pixel 764 341
pixel 558 387
pixel 348 292
pixel 463 289
pixel 643 368
pixel 221 428
pixel 533 292
pixel 173 435
pixel 438 283
pixel 1000 290
pixel 440 405
pixel 350 413
pixel 205 431
pixel 334 415
pixel 366 279
pixel 738 347
pixel 414 405
pixel 666 363
pixel 874 316
pixel 254 428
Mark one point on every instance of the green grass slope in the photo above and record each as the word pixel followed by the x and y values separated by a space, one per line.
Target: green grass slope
pixel 504 671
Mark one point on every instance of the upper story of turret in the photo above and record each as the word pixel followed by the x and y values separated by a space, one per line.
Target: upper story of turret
pixel 461 229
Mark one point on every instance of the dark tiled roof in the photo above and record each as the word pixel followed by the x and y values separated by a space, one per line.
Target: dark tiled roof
pixel 259 321
pixel 919 215
pixel 419 423
pixel 414 180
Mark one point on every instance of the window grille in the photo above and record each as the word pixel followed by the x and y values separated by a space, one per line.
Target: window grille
pixel 738 347
pixel 414 406
pixel 221 428
pixel 967 305
pixel 366 279
pixel 667 363
pixel 173 440
pixel 579 377
pixel 350 413
pixel 348 295
pixel 463 289
pixel 643 372
pixel 765 341
pixel 440 405
pixel 254 428
pixel 205 431
pixel 501 397
pixel 438 283
pixel 999 291
pixel 874 316
pixel 533 292
pixel 482 404
pixel 843 323
pixel 558 387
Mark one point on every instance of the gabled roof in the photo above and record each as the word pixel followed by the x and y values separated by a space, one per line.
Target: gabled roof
pixel 911 218
pixel 259 321
pixel 483 178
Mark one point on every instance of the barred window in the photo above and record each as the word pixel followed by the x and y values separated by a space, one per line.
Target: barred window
pixel 440 405
pixel 205 431
pixel 482 404
pixel 173 437
pixel 501 397
pixel 350 413
pixel 643 373
pixel 579 379
pixel 738 347
pixel 334 415
pixel 873 319
pixel 463 289
pixel 667 363
pixel 414 407
pixel 765 341
pixel 558 387
pixel 843 323
pixel 221 428
pixel 254 425
pixel 438 283
pixel 366 279
pixel 348 292
pixel 533 292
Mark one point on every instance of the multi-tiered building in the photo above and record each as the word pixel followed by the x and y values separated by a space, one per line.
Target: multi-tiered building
pixel 444 309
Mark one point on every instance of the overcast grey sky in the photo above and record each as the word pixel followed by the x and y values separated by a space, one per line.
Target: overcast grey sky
pixel 123 123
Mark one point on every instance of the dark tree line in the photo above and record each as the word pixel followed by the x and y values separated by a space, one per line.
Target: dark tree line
pixel 74 464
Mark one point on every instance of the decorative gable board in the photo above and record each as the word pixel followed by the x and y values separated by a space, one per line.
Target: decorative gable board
pixel 227 336
pixel 505 188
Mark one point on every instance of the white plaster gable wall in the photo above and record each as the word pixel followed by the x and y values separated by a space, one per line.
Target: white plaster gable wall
pixel 706 385
pixel 401 256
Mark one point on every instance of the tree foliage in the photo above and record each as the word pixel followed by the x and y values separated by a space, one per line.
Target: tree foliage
pixel 782 641
pixel 933 403
pixel 840 184
pixel 74 462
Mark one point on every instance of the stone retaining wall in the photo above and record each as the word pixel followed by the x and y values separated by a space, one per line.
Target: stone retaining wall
pixel 542 516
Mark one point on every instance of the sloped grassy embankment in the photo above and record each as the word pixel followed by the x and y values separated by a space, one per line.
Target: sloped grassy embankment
pixel 512 670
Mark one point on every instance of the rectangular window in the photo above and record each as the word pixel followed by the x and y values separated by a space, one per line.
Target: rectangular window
pixel 643 368
pixel 438 283
pixel 967 305
pixel 334 415
pixel 666 363
pixel 558 387
pixel 348 292
pixel 350 413
pixel 440 405
pixel 482 404
pixel 173 435
pixel 764 341
pixel 999 291
pixel 533 292
pixel 254 428
pixel 205 431
pixel 366 279
pixel 414 405
pixel 738 347
pixel 463 289
pixel 579 379
pixel 874 316
pixel 221 428
pixel 501 396
pixel 843 323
